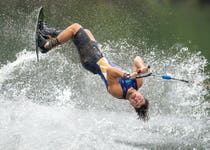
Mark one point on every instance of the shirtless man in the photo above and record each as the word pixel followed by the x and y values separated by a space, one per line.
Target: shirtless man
pixel 118 83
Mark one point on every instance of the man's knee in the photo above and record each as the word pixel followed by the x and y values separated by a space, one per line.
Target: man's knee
pixel 75 27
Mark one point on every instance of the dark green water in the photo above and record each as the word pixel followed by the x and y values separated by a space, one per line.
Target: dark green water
pixel 158 23
pixel 54 104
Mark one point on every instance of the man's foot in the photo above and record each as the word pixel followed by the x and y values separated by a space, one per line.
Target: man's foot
pixel 46 31
pixel 41 43
pixel 46 44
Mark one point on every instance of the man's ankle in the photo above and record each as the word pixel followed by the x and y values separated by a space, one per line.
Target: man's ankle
pixel 51 43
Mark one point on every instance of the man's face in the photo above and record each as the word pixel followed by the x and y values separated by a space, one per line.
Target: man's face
pixel 136 99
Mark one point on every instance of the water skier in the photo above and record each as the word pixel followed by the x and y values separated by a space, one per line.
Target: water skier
pixel 118 83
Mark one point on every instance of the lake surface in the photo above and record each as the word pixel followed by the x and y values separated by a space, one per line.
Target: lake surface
pixel 56 104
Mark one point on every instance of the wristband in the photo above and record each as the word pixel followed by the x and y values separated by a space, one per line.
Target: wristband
pixel 126 76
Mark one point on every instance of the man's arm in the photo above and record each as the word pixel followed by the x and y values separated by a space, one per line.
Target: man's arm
pixel 114 73
pixel 139 66
pixel 114 87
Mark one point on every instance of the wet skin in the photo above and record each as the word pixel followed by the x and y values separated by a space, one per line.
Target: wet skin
pixel 135 98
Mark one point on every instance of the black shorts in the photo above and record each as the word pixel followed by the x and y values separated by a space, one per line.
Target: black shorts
pixel 88 50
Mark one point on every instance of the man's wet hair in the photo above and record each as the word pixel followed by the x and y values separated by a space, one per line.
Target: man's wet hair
pixel 142 112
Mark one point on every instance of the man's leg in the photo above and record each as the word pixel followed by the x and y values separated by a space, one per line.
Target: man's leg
pixel 68 33
pixel 90 35
pixel 65 35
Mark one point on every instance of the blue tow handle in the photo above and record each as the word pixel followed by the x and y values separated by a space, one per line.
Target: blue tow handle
pixel 166 77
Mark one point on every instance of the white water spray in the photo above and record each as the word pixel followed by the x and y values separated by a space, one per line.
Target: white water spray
pixel 56 104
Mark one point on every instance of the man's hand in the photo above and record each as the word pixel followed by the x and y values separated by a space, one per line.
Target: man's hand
pixel 143 70
pixel 134 74
pixel 139 66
